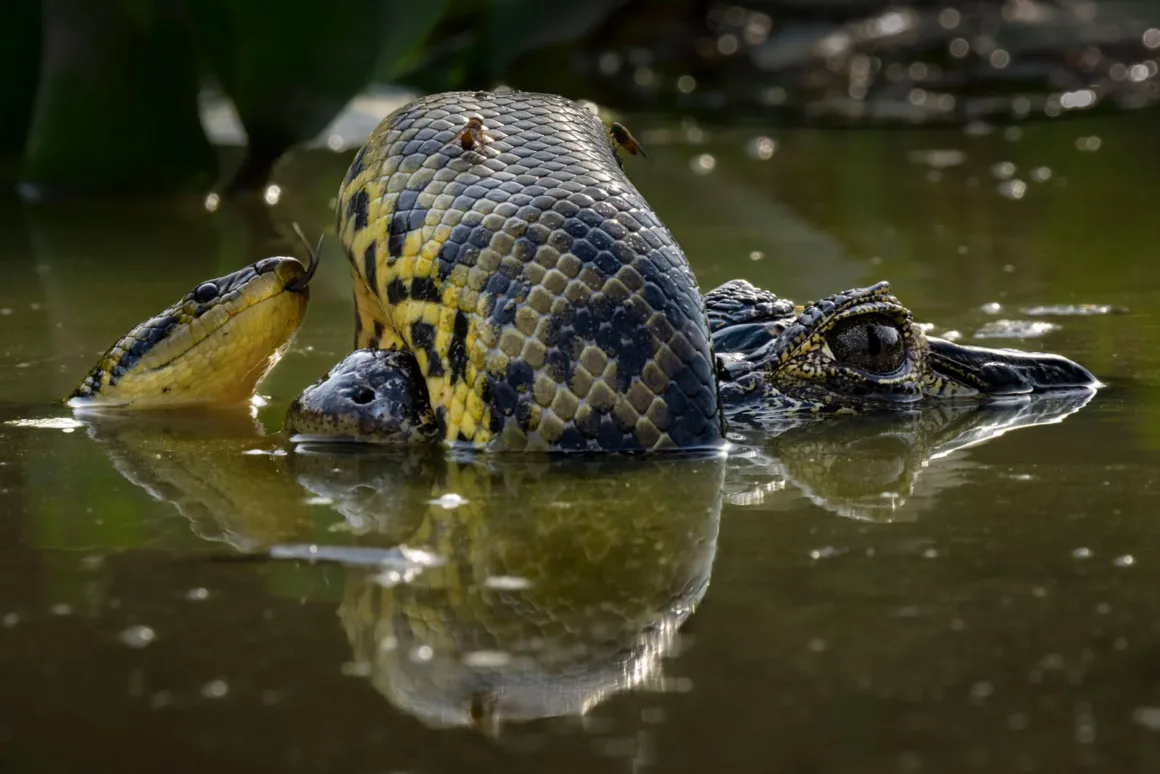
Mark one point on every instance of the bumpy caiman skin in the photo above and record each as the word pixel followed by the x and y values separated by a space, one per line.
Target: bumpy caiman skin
pixel 545 302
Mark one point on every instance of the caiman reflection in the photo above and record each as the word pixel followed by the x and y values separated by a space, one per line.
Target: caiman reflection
pixel 867 467
pixel 546 585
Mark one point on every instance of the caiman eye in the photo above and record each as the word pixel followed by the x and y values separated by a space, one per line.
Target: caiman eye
pixel 870 342
pixel 206 292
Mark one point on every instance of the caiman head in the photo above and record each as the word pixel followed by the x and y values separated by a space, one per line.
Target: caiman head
pixel 860 350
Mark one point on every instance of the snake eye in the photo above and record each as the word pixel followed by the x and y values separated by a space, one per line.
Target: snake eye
pixel 206 292
pixel 870 342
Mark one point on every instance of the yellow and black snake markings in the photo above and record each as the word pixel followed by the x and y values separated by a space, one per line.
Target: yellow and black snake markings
pixel 547 305
pixel 212 346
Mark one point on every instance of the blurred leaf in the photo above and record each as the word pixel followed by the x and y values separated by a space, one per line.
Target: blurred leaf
pixel 290 68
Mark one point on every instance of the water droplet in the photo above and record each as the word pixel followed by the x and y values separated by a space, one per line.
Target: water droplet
pixel 756 255
pixel 507 583
pixel 702 164
pixel 686 84
pixel 197 594
pixel 215 689
pixel 61 609
pixel 1127 560
pixel 137 636
pixel 930 553
pixel 826 552
pixel 761 148
pixel 10 619
pixel 486 659
pixel 1152 38
pixel 212 201
pixel 948 18
pixel 991 307
pixel 319 501
pixel 423 653
pixel 952 335
pixel 1003 170
pixel 817 645
pixel 335 142
pixel 1082 553
pixel 1041 174
pixel 449 501
pixel 273 194
pixel 1000 59
pixel 1089 144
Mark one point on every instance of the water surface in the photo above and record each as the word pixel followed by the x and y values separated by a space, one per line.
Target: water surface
pixel 956 591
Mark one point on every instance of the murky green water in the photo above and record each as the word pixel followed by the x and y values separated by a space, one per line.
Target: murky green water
pixel 959 591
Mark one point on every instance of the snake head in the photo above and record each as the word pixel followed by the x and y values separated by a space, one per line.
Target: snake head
pixel 210 347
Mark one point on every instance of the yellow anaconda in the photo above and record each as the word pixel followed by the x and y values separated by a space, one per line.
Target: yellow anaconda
pixel 546 304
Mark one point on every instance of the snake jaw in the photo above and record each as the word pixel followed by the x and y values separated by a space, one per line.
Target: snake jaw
pixel 203 352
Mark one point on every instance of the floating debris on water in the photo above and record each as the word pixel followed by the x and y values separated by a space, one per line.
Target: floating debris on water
pixel 66 424
pixel 266 452
pixel 991 307
pixel 1015 329
pixel 397 557
pixel 507 583
pixel 1073 310
pixel 137 636
pixel 449 501
pixel 319 501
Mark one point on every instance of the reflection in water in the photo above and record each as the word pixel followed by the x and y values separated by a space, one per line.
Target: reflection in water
pixel 215 467
pixel 565 581
pixel 546 585
pixel 866 467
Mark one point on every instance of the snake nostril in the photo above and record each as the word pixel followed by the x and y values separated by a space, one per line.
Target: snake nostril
pixel 362 395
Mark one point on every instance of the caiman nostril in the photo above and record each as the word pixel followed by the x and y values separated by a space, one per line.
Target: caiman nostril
pixel 362 395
